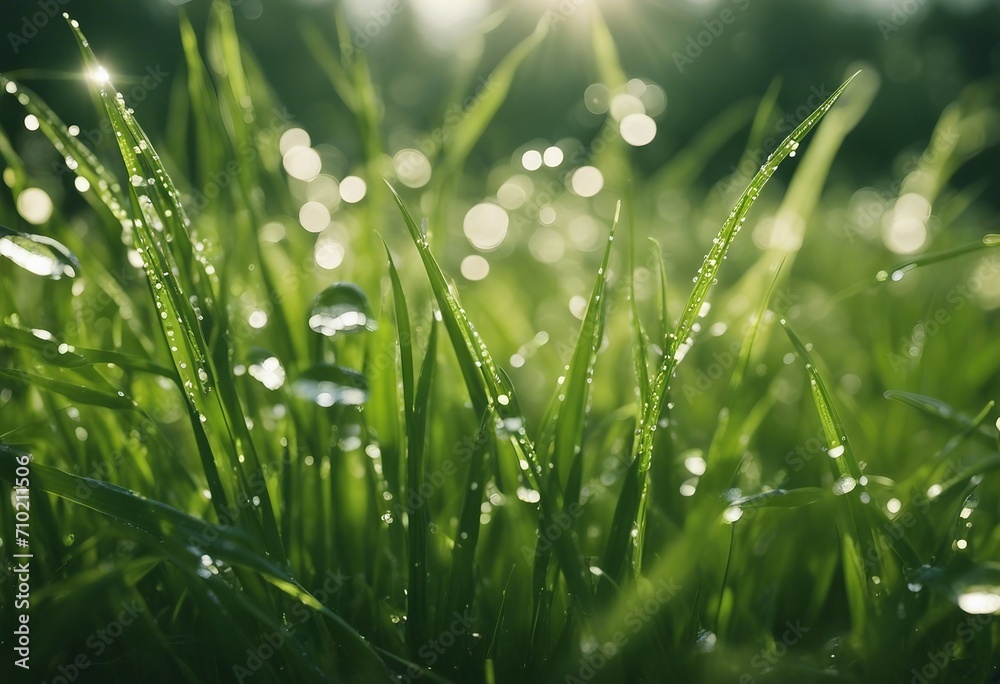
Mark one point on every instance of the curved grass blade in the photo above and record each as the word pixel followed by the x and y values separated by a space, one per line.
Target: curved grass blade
pixel 629 512
pixel 77 155
pixel 72 390
pixel 183 535
pixel 71 356
pixel 945 413
pixel 187 308
pixel 491 391
pixel 780 498
pixel 857 542
pixel 38 254
pixel 899 270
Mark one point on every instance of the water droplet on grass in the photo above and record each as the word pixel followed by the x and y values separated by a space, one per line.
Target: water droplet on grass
pixel 844 485
pixel 342 308
pixel 38 254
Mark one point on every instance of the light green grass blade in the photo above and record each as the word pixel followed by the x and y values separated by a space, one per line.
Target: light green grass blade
pixel 574 393
pixel 563 429
pixel 491 391
pixel 180 284
pixel 631 504
pixel 68 384
pixel 945 413
pixel 470 128
pixel 844 464
pixel 899 270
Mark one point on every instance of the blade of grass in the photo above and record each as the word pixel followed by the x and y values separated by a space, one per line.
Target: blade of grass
pixel 486 386
pixel 945 413
pixel 631 504
pixel 186 537
pixel 860 536
pixel 163 239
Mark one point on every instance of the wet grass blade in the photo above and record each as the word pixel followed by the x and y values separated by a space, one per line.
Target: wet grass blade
pixel 945 413
pixel 187 539
pixel 564 429
pixel 416 407
pixel 180 284
pixel 630 510
pixel 491 392
pixel 849 484
pixel 69 385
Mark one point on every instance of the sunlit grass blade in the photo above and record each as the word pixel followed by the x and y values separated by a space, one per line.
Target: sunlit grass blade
pixel 780 498
pixel 563 429
pixel 186 323
pixel 897 272
pixel 850 483
pixel 573 395
pixel 629 512
pixel 85 164
pixel 683 169
pixel 57 353
pixel 491 392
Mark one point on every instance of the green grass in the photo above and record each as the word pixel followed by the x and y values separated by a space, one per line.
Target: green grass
pixel 363 490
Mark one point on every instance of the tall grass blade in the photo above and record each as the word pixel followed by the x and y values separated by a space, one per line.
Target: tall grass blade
pixel 631 504
pixel 491 392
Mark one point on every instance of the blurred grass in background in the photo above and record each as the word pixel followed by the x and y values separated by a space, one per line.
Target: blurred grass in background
pixel 379 498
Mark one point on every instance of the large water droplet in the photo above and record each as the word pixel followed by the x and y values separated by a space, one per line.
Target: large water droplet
pixel 341 308
pixel 844 485
pixel 266 368
pixel 38 254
